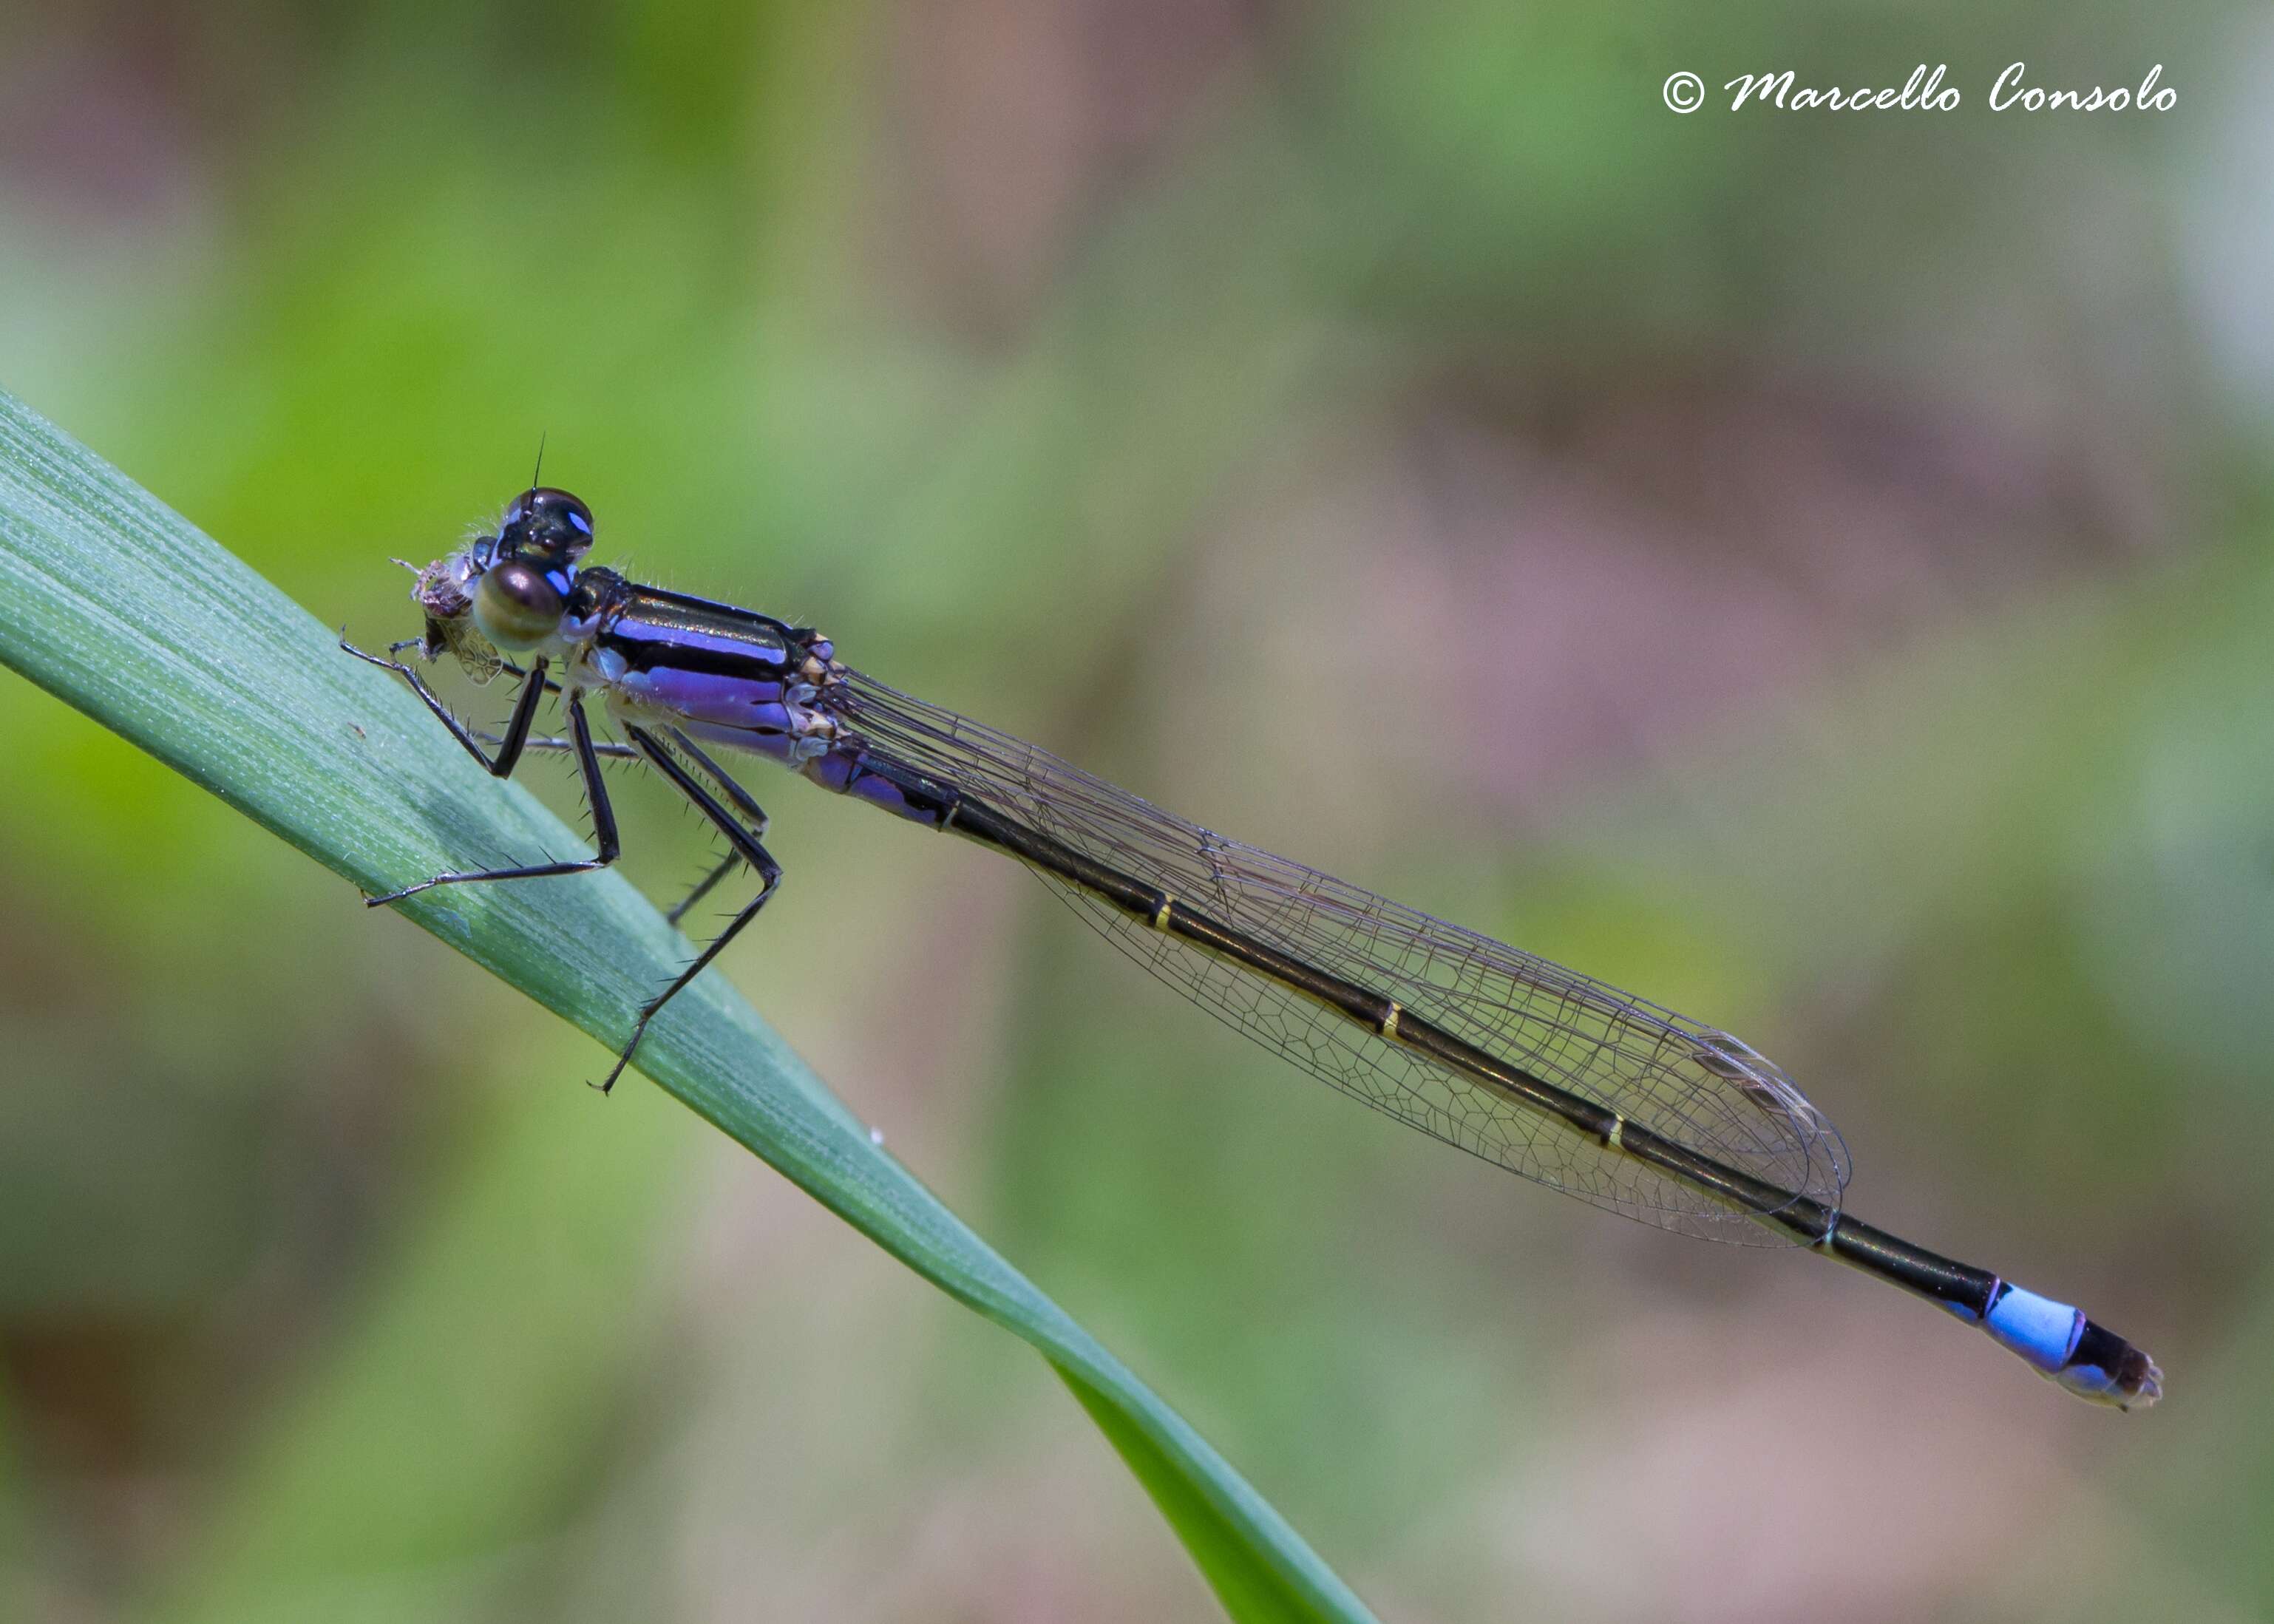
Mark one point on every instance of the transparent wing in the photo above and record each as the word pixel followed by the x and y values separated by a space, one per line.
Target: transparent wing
pixel 475 657
pixel 1689 1082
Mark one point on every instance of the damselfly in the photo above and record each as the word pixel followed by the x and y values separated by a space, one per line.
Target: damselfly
pixel 1551 1074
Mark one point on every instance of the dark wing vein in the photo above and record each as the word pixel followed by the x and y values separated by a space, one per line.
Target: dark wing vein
pixel 1689 1082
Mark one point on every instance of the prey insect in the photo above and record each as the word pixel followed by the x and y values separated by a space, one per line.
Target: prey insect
pixel 1551 1074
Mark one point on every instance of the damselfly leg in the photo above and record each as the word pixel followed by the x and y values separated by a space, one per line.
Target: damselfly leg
pixel 747 849
pixel 516 737
pixel 545 744
pixel 509 748
pixel 704 887
pixel 742 838
pixel 741 798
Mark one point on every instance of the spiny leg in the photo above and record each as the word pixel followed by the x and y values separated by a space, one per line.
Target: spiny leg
pixel 746 848
pixel 725 780
pixel 516 730
pixel 704 886
pixel 742 798
pixel 506 665
pixel 604 816
pixel 605 747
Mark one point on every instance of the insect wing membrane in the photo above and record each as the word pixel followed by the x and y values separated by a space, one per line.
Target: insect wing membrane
pixel 1684 1080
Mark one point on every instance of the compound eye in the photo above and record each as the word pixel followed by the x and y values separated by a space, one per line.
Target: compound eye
pixel 576 536
pixel 557 523
pixel 515 607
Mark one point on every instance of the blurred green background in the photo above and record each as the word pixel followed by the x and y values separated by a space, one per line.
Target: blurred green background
pixel 1813 569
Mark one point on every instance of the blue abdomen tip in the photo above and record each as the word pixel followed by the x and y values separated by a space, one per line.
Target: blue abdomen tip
pixel 2042 1331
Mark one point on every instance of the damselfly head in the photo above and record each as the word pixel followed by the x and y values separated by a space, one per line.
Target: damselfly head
pixel 523 574
pixel 506 588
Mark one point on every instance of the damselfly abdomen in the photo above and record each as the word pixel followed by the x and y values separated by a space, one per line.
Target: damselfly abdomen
pixel 1551 1074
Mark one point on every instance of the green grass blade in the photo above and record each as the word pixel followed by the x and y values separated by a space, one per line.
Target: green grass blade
pixel 124 610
